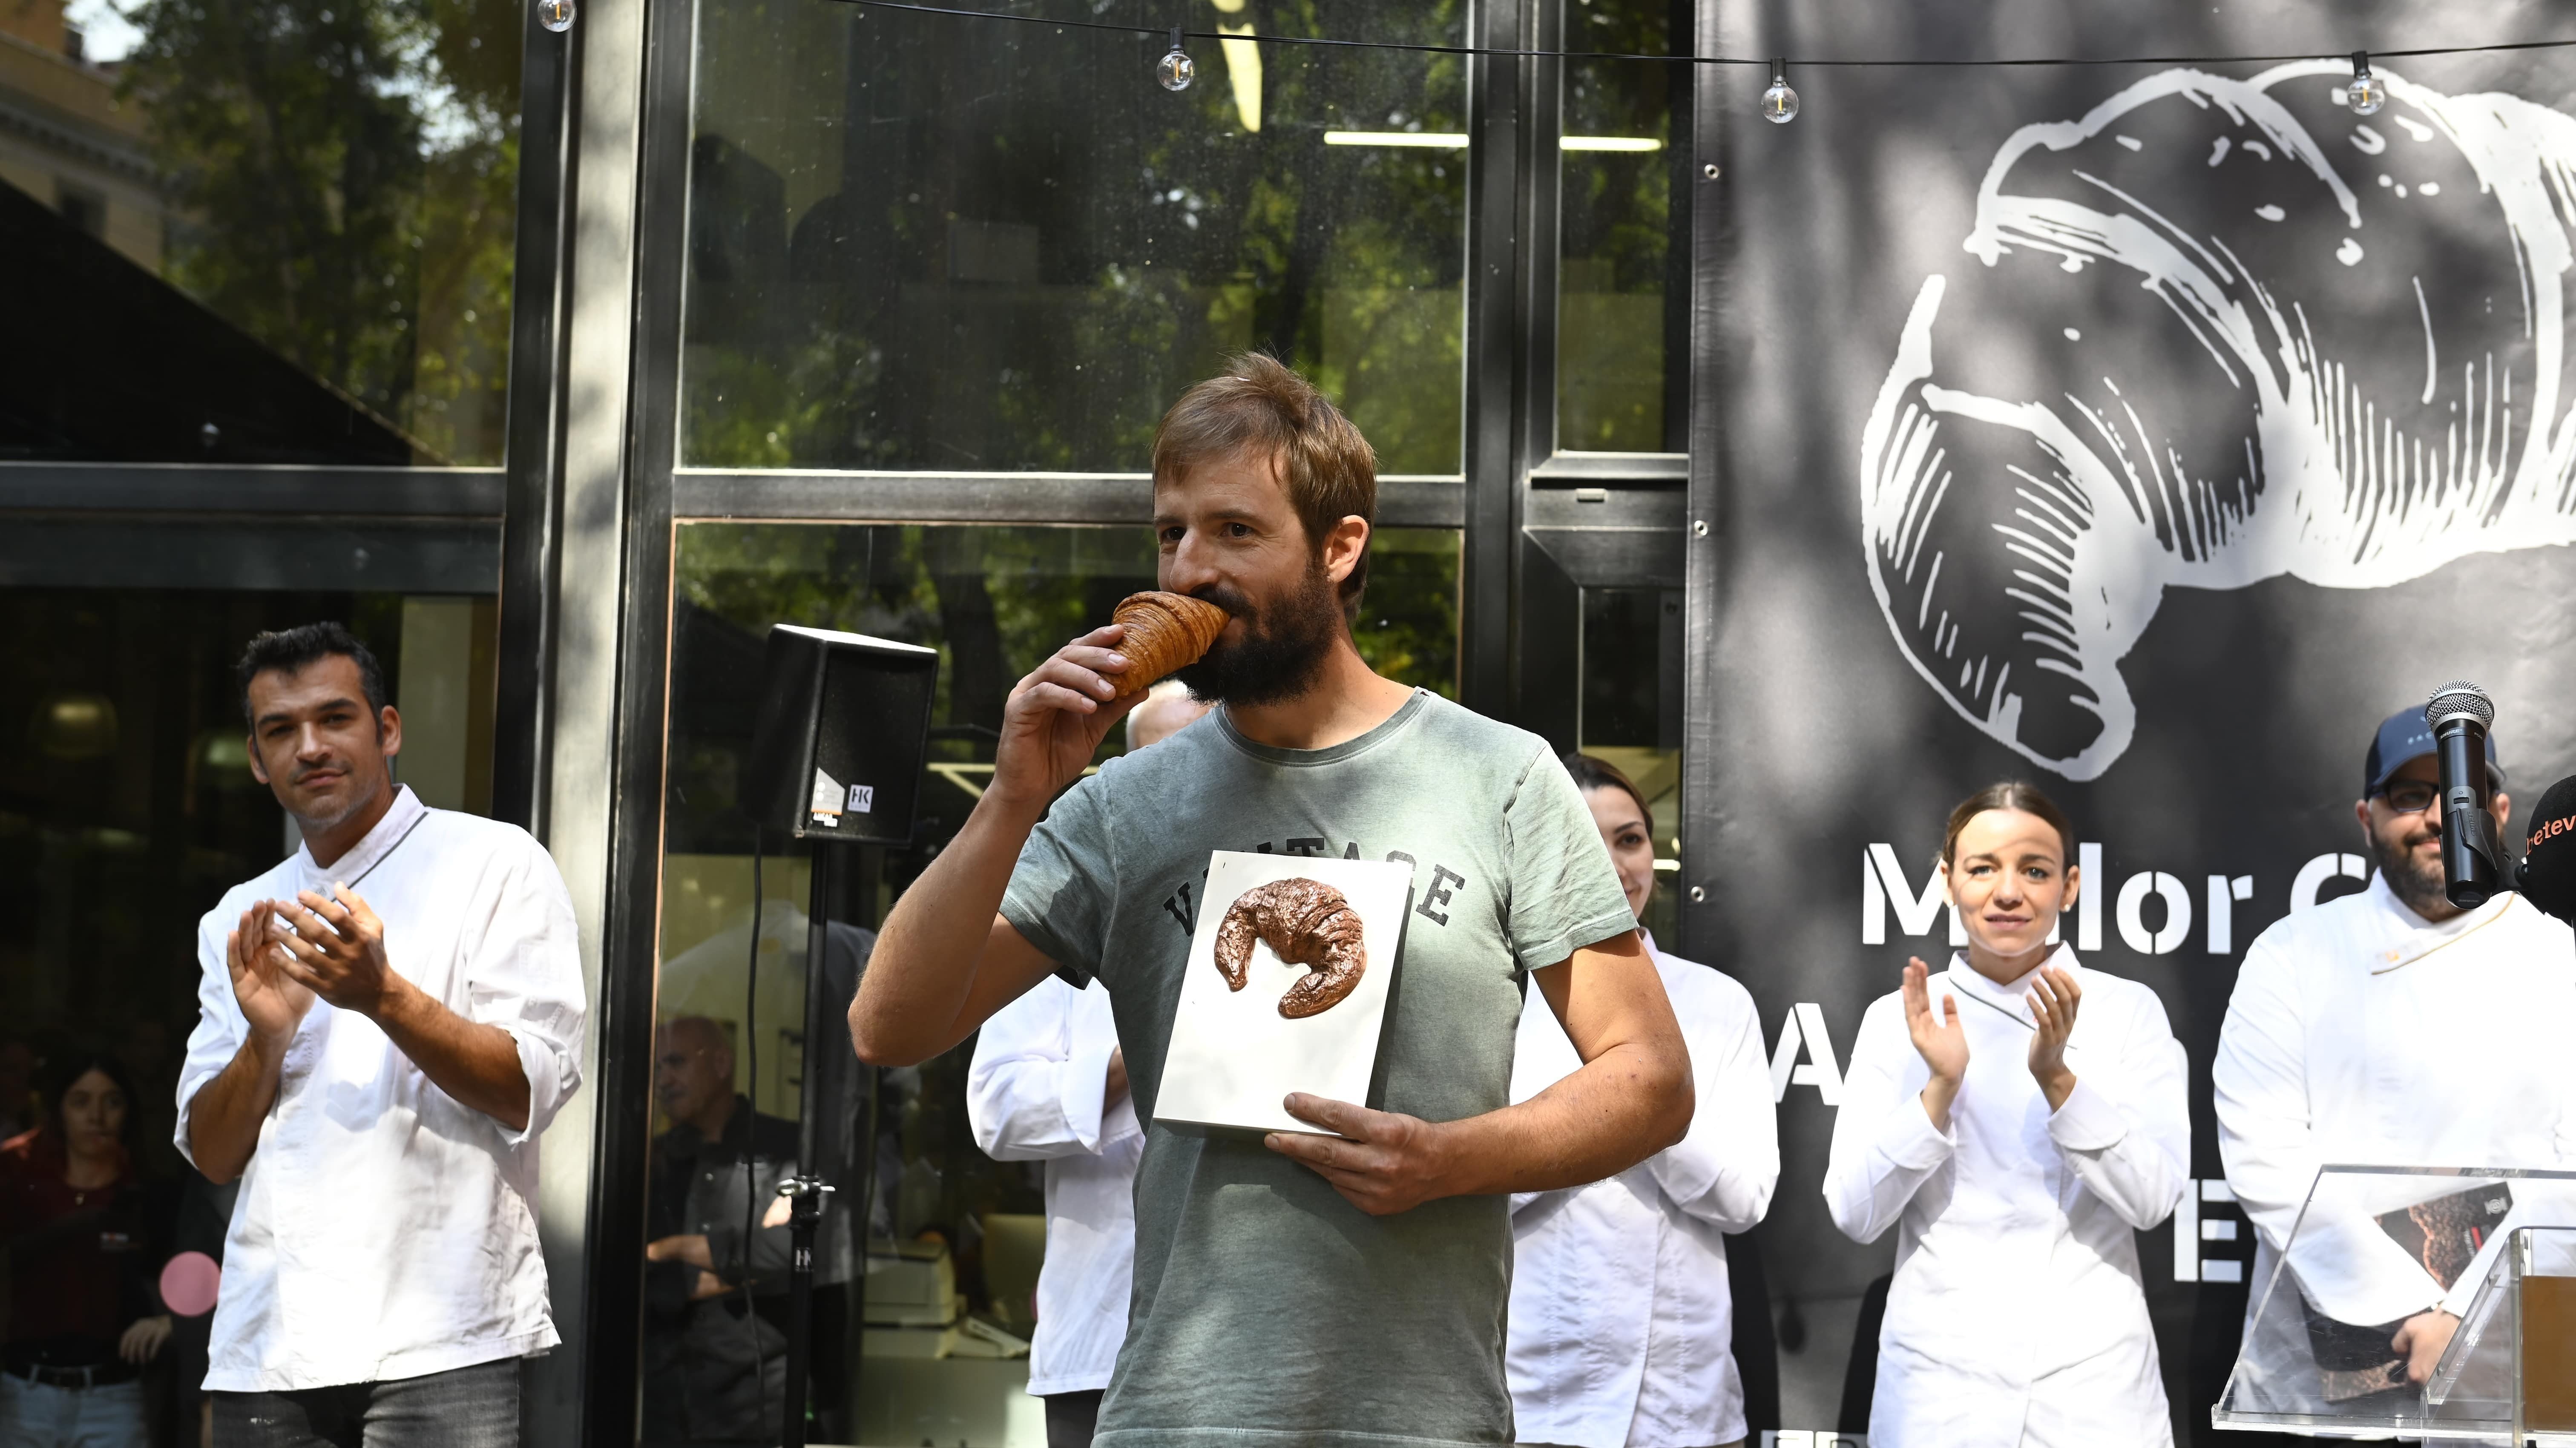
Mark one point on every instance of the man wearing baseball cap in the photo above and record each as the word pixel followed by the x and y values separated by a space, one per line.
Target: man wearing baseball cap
pixel 2391 1027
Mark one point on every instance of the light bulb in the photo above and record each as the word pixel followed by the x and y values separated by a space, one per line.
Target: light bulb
pixel 1779 103
pixel 2365 95
pixel 1176 70
pixel 555 15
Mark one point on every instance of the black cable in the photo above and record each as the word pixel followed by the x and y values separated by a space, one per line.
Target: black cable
pixel 1473 50
pixel 751 1135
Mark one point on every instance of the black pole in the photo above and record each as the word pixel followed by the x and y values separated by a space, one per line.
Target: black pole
pixel 806 1189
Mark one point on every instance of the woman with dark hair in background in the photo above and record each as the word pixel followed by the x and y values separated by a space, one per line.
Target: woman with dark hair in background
pixel 84 1244
pixel 2016 1148
pixel 1622 1319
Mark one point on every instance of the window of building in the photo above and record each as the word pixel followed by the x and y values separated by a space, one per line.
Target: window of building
pixel 1623 295
pixel 927 243
pixel 269 232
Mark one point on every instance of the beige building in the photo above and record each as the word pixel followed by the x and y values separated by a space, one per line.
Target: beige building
pixel 67 140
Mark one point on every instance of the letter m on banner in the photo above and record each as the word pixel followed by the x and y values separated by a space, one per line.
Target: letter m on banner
pixel 1882 883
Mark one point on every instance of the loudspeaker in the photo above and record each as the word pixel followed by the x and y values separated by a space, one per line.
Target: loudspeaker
pixel 843 726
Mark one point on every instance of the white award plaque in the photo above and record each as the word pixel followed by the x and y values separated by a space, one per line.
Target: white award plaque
pixel 1236 1054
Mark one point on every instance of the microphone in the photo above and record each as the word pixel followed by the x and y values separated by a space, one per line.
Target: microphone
pixel 2473 867
pixel 2548 873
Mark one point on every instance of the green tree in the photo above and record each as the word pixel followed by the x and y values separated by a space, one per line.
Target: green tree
pixel 345 171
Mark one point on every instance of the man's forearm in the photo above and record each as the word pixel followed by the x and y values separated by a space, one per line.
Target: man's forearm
pixel 1622 1107
pixel 475 1063
pixel 224 1116
pixel 922 969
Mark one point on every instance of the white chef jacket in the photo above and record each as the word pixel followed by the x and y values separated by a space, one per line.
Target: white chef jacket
pixel 2017 1314
pixel 1034 1093
pixel 1622 1326
pixel 2358 1032
pixel 383 1230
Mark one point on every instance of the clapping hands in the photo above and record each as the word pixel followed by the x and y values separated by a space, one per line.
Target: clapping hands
pixel 2053 998
pixel 1939 1039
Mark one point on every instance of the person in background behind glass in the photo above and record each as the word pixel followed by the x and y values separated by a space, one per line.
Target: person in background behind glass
pixel 85 1244
pixel 715 1368
pixel 19 1111
pixel 1049 1084
pixel 1622 1324
pixel 2018 1150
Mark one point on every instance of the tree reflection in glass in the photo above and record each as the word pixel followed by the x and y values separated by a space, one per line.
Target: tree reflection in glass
pixel 342 176
pixel 921 242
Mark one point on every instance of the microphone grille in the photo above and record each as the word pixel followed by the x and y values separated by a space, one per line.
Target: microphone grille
pixel 2456 698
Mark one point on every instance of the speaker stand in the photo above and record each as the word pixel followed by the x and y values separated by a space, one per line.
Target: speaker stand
pixel 806 1190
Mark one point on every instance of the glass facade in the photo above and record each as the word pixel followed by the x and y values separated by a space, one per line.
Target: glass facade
pixel 258 230
pixel 1623 268
pixel 272 244
pixel 919 242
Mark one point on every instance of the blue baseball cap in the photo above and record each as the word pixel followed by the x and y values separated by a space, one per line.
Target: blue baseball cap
pixel 2404 736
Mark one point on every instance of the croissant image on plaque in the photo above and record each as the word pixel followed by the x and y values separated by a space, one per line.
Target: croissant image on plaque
pixel 1165 631
pixel 1305 922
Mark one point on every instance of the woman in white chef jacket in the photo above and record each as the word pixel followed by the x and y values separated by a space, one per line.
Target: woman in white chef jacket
pixel 2015 1117
pixel 1621 1323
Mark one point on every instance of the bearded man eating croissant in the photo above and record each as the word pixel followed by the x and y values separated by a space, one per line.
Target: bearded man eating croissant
pixel 1349 1285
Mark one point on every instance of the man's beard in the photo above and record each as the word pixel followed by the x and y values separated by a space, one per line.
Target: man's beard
pixel 2419 885
pixel 1285 644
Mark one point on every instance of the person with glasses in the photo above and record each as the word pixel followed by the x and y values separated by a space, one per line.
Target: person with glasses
pixel 2019 1118
pixel 2392 1027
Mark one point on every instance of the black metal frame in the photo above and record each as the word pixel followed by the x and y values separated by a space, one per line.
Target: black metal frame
pixel 1709 137
pixel 550 71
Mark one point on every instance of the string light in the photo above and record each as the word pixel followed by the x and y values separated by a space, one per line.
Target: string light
pixel 1175 70
pixel 555 15
pixel 2366 95
pixel 1779 103
pixel 1512 53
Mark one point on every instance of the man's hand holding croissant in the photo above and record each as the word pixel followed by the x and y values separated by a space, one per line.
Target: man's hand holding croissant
pixel 1058 715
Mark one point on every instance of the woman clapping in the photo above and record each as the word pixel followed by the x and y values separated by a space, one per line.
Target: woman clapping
pixel 2015 1116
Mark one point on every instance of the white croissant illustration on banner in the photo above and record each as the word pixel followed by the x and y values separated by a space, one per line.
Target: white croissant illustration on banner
pixel 2224 330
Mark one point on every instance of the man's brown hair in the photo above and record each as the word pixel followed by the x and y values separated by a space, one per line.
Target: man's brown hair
pixel 1259 403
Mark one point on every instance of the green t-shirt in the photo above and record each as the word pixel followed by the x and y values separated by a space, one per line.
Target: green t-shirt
pixel 1267 1308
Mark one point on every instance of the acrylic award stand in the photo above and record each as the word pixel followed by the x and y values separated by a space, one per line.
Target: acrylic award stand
pixel 2374 1246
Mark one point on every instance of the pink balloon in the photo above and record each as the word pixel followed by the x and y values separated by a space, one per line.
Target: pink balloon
pixel 188 1284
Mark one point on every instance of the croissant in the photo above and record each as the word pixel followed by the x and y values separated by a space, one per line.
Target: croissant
pixel 2217 331
pixel 1165 631
pixel 1306 922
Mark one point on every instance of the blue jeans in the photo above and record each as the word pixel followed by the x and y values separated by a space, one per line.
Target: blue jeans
pixel 39 1415
pixel 473 1407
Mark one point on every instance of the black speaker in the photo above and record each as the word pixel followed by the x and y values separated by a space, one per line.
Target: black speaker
pixel 844 723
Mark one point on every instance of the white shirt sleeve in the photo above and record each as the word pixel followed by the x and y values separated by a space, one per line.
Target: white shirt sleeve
pixel 2259 1082
pixel 524 976
pixel 1035 1087
pixel 1724 1168
pixel 1884 1145
pixel 221 1027
pixel 2128 1137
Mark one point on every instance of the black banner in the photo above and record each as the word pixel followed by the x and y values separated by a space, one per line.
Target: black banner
pixel 2145 431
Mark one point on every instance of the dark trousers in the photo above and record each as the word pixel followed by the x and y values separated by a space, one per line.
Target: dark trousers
pixel 1072 1418
pixel 472 1407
